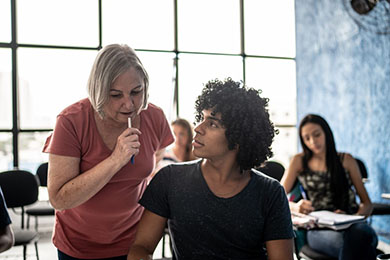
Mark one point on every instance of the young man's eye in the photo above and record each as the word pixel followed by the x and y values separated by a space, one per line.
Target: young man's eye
pixel 212 124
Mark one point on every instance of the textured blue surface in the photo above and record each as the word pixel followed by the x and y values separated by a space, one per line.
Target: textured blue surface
pixel 343 74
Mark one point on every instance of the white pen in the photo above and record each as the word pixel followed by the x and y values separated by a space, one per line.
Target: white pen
pixel 129 122
pixel 129 125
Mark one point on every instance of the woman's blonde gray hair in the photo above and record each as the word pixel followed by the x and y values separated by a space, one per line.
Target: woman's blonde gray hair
pixel 111 62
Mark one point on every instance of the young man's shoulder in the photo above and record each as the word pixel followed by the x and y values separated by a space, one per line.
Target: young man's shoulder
pixel 262 179
pixel 180 167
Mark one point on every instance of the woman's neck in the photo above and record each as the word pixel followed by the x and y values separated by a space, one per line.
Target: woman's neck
pixel 318 162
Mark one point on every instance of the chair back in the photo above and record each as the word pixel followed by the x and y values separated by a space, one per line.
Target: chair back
pixel 362 168
pixel 273 169
pixel 20 188
pixel 42 174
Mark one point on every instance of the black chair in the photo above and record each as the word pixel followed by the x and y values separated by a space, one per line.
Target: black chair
pixel 272 169
pixel 378 208
pixel 41 210
pixel 20 188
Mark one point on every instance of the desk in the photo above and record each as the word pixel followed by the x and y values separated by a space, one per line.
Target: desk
pixel 386 195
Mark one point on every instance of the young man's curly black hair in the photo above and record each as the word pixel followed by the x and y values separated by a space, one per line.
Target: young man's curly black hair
pixel 245 116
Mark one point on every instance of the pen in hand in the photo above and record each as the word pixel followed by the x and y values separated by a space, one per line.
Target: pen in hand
pixel 303 193
pixel 129 125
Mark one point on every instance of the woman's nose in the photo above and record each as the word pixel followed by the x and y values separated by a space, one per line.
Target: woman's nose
pixel 129 102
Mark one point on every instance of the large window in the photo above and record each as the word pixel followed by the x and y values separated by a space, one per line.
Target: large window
pixel 47 49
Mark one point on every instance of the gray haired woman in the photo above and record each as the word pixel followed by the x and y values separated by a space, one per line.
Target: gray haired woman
pixel 101 154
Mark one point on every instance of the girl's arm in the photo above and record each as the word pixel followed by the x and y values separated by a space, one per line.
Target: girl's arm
pixel 365 206
pixel 288 180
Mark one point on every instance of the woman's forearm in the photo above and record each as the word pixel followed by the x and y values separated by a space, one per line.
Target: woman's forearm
pixel 84 186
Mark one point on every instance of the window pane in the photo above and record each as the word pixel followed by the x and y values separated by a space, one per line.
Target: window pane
pixel 5 21
pixel 270 28
pixel 6 157
pixel 284 146
pixel 209 26
pixel 276 78
pixel 161 85
pixel 49 81
pixel 30 150
pixel 146 24
pixel 69 22
pixel 5 89
pixel 197 70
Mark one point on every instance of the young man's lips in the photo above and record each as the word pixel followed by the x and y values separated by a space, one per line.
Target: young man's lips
pixel 197 143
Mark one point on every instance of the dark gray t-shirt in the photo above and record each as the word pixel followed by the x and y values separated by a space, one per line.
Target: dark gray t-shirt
pixel 204 226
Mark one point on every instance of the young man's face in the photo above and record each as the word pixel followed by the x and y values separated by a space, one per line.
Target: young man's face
pixel 210 141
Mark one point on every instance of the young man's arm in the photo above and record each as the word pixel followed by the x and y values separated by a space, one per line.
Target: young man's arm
pixel 6 238
pixel 280 249
pixel 149 233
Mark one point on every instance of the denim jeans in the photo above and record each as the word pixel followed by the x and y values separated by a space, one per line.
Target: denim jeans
pixel 359 241
pixel 62 256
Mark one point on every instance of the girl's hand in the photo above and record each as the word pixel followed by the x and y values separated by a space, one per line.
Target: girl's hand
pixel 339 211
pixel 304 206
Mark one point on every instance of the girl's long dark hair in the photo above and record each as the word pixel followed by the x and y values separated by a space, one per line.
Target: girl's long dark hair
pixel 339 183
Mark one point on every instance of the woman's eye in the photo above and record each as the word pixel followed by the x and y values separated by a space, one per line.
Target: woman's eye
pixel 115 95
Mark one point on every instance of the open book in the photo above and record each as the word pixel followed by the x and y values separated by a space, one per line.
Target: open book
pixel 325 219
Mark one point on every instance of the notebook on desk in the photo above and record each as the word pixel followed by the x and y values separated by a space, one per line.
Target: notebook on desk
pixel 325 219
pixel 336 221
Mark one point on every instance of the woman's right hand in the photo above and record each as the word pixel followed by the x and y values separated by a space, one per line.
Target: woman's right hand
pixel 127 145
pixel 304 206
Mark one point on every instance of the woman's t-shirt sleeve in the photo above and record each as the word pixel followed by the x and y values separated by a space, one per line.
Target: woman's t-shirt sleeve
pixel 63 140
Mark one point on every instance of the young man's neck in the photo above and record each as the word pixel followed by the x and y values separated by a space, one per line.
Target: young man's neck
pixel 221 170
pixel 224 178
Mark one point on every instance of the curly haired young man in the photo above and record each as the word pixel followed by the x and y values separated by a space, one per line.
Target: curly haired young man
pixel 219 207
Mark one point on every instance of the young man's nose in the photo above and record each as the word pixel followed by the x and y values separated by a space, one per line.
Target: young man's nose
pixel 199 128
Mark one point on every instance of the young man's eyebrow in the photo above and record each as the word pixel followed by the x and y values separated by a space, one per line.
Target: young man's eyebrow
pixel 214 119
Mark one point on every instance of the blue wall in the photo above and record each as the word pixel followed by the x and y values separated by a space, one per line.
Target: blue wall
pixel 343 74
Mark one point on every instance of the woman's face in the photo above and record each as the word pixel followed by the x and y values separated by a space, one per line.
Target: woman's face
pixel 314 137
pixel 181 135
pixel 126 97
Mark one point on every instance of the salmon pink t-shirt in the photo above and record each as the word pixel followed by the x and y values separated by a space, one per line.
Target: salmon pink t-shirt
pixel 105 225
